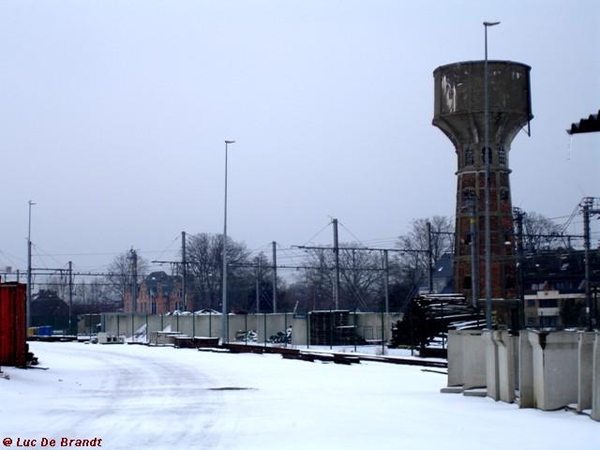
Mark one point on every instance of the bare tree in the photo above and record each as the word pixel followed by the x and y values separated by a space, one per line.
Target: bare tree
pixel 361 276
pixel 319 279
pixel 58 284
pixel 422 241
pixel 95 293
pixel 261 288
pixel 205 258
pixel 540 233
pixel 124 273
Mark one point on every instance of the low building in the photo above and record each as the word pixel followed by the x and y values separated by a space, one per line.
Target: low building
pixel 554 289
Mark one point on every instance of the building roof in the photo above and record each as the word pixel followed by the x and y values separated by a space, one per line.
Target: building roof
pixel 589 125
pixel 161 280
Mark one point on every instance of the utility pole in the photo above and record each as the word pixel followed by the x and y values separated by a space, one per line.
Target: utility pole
pixel 70 296
pixel 519 215
pixel 487 154
pixel 336 252
pixel 587 205
pixel 474 255
pixel 225 318
pixel 134 280
pixel 257 285
pixel 180 267
pixel 274 277
pixel 28 301
pixel 386 280
pixel 429 257
pixel 183 272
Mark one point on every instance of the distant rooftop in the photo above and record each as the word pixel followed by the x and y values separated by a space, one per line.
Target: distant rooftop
pixel 589 125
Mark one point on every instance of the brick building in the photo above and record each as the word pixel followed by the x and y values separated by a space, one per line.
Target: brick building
pixel 158 293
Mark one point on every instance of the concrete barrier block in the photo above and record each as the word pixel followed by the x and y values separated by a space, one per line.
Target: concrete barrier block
pixel 466 359
pixel 491 364
pixel 526 397
pixel 474 366
pixel 102 338
pixel 554 369
pixel 585 362
pixel 596 379
pixel 505 348
pixel 455 358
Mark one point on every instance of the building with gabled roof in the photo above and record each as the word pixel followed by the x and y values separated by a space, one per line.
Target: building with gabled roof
pixel 159 293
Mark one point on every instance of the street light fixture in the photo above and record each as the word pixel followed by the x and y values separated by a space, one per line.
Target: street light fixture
pixel 486 150
pixel 224 321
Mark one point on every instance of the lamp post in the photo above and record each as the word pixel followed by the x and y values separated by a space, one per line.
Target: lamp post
pixel 224 321
pixel 28 300
pixel 486 150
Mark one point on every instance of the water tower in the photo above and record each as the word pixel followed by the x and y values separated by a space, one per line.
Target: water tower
pixel 459 111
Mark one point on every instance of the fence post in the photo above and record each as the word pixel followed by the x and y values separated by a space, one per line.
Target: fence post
pixel 265 326
pixel 331 325
pixel 355 330
pixel 308 330
pixel 382 334
pixel 285 339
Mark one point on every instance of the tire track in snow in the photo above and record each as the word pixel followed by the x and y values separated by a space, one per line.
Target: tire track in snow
pixel 138 399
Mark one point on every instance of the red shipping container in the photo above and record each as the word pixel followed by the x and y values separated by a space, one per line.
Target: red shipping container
pixel 13 324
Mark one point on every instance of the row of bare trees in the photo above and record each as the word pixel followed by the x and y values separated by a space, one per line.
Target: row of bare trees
pixel 360 276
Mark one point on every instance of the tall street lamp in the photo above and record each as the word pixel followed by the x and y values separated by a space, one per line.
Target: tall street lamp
pixel 28 300
pixel 224 321
pixel 487 152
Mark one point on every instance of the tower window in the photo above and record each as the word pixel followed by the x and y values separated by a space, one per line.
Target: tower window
pixel 469 157
pixel 467 282
pixel 468 197
pixel 483 155
pixel 501 156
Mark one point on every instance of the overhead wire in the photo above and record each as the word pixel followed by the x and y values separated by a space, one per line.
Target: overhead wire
pixel 319 232
pixel 166 249
pixel 359 241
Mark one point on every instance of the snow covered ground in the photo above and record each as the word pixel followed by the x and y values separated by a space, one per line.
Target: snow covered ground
pixel 138 397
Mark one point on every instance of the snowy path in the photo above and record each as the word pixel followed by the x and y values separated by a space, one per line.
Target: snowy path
pixel 135 398
pixel 161 398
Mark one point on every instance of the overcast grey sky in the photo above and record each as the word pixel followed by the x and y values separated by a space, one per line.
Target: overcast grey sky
pixel 113 116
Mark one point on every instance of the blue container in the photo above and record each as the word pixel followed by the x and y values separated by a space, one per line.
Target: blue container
pixel 45 330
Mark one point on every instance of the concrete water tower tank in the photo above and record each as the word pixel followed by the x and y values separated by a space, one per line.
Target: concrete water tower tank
pixel 459 113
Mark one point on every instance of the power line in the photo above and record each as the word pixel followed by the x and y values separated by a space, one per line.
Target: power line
pixel 399 250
